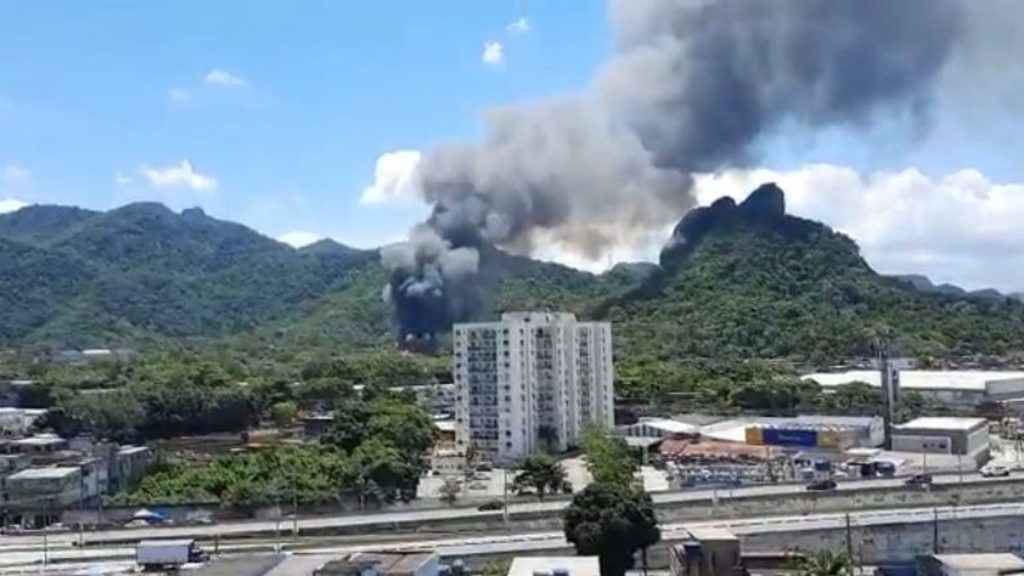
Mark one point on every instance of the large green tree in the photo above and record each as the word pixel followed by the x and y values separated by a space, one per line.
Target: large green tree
pixel 608 457
pixel 613 522
pixel 541 473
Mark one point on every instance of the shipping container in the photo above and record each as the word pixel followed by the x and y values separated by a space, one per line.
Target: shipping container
pixel 754 437
pixel 828 439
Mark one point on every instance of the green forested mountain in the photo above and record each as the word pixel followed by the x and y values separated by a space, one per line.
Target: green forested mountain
pixel 750 280
pixel 737 281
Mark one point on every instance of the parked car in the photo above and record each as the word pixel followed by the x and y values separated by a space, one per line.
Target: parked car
pixel 994 470
pixel 919 481
pixel 492 505
pixel 821 485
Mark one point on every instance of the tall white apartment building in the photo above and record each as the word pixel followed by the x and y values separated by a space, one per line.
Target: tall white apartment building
pixel 532 380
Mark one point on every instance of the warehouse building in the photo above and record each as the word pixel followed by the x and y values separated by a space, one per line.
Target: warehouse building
pixel 657 428
pixel 953 387
pixel 959 436
pixel 807 432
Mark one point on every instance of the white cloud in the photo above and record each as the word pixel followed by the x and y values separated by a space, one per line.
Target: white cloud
pixel 519 26
pixel 14 173
pixel 960 228
pixel 493 54
pixel 182 175
pixel 11 205
pixel 122 180
pixel 393 178
pixel 180 95
pixel 298 238
pixel 218 77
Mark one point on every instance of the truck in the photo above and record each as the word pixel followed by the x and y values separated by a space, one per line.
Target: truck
pixel 167 554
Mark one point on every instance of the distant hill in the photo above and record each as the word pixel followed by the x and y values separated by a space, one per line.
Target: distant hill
pixel 140 272
pixel 924 284
pixel 750 280
pixel 736 280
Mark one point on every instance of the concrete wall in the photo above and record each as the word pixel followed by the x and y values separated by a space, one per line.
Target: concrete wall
pixel 871 545
pixel 901 542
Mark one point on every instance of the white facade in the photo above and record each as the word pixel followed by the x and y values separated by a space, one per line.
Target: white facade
pixel 531 380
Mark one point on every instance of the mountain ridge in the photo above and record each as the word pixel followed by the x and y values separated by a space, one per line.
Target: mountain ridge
pixel 736 280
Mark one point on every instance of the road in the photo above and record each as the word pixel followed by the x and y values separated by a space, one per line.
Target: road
pixel 233 529
pixel 540 541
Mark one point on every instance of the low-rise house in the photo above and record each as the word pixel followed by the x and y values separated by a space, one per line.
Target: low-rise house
pixel 35 496
pixel 39 444
pixel 16 422
pixel 314 426
pixel 129 466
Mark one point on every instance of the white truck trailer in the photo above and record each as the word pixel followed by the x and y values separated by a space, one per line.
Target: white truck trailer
pixel 164 554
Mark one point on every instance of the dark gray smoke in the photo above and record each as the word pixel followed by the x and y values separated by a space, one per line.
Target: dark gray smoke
pixel 691 88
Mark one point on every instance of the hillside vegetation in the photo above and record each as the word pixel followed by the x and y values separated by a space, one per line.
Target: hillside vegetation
pixel 736 281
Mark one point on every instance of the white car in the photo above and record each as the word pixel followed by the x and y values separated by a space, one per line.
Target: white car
pixel 993 470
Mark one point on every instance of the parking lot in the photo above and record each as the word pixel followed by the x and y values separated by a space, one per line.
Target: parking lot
pixel 491 484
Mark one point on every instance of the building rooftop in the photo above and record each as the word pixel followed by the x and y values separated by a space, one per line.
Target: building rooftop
pixel 919 379
pixel 243 565
pixel 711 533
pixel 641 441
pixel 942 423
pixel 22 411
pixel 40 440
pixel 981 562
pixel 573 565
pixel 56 472
pixel 445 425
pixel 383 563
pixel 671 426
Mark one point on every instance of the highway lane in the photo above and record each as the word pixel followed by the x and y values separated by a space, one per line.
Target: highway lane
pixel 551 540
pixel 230 529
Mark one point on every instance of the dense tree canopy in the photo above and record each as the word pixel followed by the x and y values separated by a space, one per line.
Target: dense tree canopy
pixel 612 522
pixel 144 277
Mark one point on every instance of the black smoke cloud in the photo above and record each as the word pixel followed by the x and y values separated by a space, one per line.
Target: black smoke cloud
pixel 692 86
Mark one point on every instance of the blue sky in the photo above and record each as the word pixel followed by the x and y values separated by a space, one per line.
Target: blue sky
pixel 90 90
pixel 274 114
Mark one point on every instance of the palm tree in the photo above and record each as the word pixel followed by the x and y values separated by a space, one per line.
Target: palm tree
pixel 825 563
pixel 540 472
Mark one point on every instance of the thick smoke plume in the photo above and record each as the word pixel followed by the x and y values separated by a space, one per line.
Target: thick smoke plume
pixel 691 87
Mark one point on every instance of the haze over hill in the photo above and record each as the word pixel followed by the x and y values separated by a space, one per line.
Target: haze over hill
pixel 735 279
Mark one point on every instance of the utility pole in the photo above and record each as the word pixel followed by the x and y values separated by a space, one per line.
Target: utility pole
pixel 46 538
pixel 935 531
pixel 504 495
pixel 295 508
pixel 849 542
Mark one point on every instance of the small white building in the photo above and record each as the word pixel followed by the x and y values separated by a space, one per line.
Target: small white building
pixel 19 421
pixel 657 428
pixel 935 435
pixel 551 565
